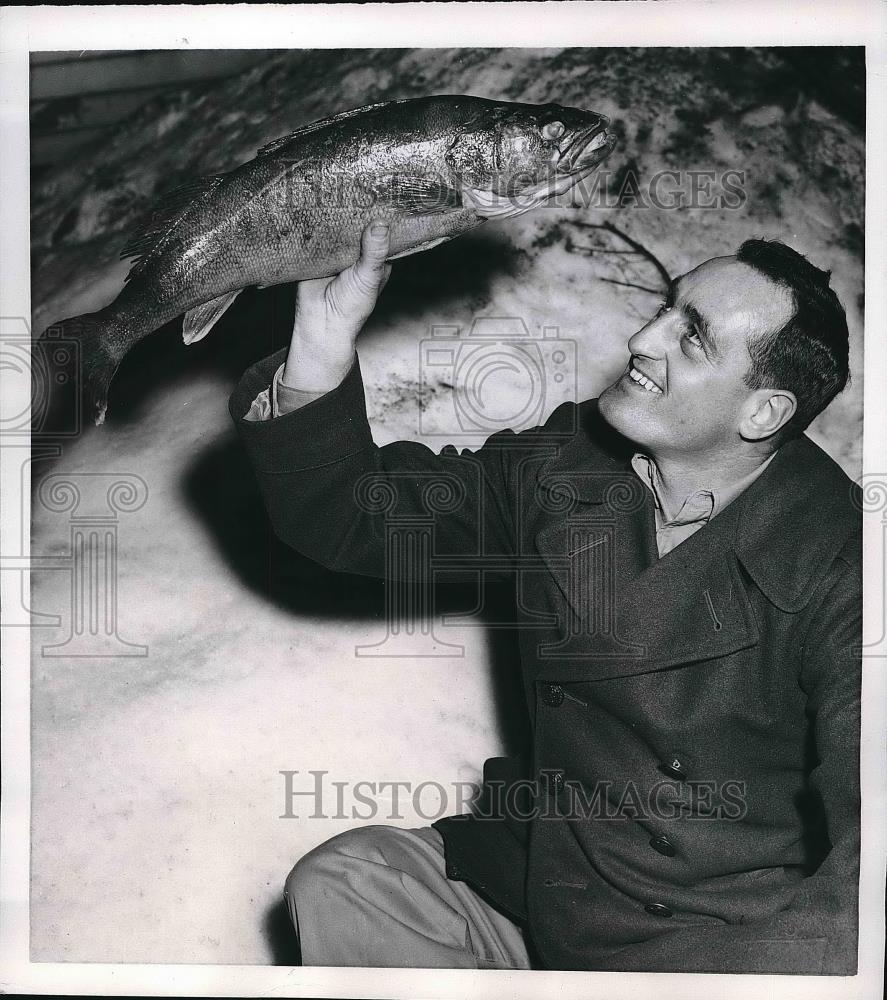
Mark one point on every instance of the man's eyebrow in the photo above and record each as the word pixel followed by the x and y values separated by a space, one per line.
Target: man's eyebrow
pixel 702 325
pixel 693 316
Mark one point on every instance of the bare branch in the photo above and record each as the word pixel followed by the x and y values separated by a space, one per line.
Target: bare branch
pixel 631 284
pixel 593 250
pixel 638 247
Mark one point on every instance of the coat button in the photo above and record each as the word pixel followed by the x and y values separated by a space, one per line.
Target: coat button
pixel 553 695
pixel 663 845
pixel 659 910
pixel 674 768
pixel 555 782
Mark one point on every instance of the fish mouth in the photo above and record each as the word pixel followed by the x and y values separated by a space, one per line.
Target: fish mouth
pixel 587 149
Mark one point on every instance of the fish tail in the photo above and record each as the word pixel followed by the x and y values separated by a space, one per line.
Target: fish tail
pixel 100 354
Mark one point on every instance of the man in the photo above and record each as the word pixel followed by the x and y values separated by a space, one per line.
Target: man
pixel 687 565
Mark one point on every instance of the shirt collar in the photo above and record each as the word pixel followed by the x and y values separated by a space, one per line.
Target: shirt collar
pixel 702 505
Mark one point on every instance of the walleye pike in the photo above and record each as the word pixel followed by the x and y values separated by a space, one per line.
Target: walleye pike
pixel 431 167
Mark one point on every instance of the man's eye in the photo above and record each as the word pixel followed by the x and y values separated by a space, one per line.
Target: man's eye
pixel 694 336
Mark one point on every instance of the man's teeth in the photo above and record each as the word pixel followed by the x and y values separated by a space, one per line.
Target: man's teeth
pixel 643 380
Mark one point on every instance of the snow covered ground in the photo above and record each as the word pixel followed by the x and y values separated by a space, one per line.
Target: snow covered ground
pixel 157 792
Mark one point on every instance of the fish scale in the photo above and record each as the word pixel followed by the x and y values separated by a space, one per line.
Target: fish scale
pixel 433 168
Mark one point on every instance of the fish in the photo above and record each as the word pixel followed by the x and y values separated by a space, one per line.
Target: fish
pixel 432 168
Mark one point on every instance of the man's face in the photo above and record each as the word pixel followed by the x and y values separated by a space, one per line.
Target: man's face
pixel 693 355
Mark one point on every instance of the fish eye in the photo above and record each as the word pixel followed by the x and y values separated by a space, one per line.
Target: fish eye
pixel 553 130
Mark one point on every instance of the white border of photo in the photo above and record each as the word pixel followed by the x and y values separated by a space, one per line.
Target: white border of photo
pixel 667 22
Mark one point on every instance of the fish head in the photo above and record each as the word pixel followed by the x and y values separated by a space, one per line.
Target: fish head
pixel 518 156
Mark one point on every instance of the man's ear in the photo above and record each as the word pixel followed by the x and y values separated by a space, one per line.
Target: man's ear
pixel 768 411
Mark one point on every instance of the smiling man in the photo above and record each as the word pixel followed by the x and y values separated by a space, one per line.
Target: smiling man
pixel 688 617
pixel 725 372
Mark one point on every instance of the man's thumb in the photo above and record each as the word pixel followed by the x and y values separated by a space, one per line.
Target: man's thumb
pixel 374 244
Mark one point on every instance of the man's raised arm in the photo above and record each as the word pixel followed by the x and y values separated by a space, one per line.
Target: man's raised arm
pixel 326 485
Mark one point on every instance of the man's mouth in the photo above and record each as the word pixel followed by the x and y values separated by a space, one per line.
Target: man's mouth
pixel 644 380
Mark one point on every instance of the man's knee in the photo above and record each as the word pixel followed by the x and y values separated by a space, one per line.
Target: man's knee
pixel 321 869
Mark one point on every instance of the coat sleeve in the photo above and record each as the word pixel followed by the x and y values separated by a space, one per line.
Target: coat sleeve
pixel 332 493
pixel 831 675
pixel 825 907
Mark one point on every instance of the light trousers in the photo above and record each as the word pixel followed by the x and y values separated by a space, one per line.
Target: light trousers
pixel 378 896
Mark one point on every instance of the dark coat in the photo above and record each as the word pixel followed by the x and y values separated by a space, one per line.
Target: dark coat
pixel 692 797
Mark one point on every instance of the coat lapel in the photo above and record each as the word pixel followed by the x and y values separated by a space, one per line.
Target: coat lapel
pixel 625 611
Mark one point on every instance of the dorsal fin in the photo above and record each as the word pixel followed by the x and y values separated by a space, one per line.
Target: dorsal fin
pixel 163 217
pixel 276 144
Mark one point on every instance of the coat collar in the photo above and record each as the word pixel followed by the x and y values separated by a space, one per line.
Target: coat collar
pixel 783 531
pixel 793 519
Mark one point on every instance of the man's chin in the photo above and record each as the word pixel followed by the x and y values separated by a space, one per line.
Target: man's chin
pixel 622 412
pixel 616 409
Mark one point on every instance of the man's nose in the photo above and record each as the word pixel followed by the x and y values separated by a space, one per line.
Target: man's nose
pixel 650 340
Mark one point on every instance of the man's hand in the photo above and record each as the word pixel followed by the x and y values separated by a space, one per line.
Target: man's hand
pixel 330 313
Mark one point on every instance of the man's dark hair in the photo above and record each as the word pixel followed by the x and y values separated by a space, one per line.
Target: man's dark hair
pixel 809 355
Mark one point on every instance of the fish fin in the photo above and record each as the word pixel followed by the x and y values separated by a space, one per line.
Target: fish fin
pixel 100 355
pixel 420 247
pixel 489 205
pixel 201 319
pixel 277 144
pixel 418 195
pixel 163 217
